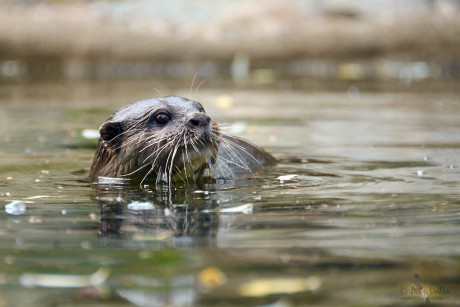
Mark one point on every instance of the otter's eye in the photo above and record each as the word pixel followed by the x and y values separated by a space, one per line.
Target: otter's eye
pixel 162 118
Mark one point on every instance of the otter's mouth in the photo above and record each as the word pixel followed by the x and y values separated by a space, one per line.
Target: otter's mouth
pixel 194 163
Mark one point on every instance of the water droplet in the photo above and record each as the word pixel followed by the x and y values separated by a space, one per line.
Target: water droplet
pixel 119 199
pixel 138 206
pixel 284 178
pixel 246 209
pixel 15 207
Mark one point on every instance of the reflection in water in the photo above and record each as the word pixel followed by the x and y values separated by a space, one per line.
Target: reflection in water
pixel 185 218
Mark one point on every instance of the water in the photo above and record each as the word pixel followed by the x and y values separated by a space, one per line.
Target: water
pixel 366 196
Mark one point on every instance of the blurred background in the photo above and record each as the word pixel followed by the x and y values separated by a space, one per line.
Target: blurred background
pixel 289 43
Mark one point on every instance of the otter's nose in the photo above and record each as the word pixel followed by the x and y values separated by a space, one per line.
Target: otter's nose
pixel 199 119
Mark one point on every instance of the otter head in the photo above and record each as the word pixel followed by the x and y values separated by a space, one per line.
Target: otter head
pixel 163 139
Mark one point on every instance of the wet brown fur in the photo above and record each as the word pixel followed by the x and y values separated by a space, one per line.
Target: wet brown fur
pixel 133 147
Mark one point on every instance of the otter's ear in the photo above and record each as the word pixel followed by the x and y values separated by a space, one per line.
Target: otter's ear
pixel 110 132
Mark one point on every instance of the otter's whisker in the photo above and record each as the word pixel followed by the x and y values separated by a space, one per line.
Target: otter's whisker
pixel 158 151
pixel 169 170
pixel 228 163
pixel 174 152
pixel 199 140
pixel 232 152
pixel 158 91
pixel 148 164
pixel 184 168
pixel 158 155
pixel 236 145
pixel 224 169
pixel 150 143
pixel 191 86
pixel 131 139
pixel 145 165
pixel 121 134
pixel 198 87
pixel 238 160
pixel 146 175
pixel 186 156
pixel 211 169
pixel 179 174
pixel 192 142
pixel 135 171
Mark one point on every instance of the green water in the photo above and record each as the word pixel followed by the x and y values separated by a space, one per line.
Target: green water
pixel 370 197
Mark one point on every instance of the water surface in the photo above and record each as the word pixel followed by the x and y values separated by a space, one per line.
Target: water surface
pixel 365 197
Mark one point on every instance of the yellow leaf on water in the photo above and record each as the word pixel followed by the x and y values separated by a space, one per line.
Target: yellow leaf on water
pixel 263 287
pixel 212 277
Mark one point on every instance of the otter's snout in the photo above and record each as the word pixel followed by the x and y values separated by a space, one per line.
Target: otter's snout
pixel 199 119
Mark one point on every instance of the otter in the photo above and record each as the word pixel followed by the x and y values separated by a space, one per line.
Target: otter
pixel 170 139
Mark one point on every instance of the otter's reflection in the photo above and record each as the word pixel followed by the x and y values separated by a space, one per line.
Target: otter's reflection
pixel 183 217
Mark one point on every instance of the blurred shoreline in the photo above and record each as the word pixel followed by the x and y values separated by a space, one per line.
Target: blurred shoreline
pixel 242 40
